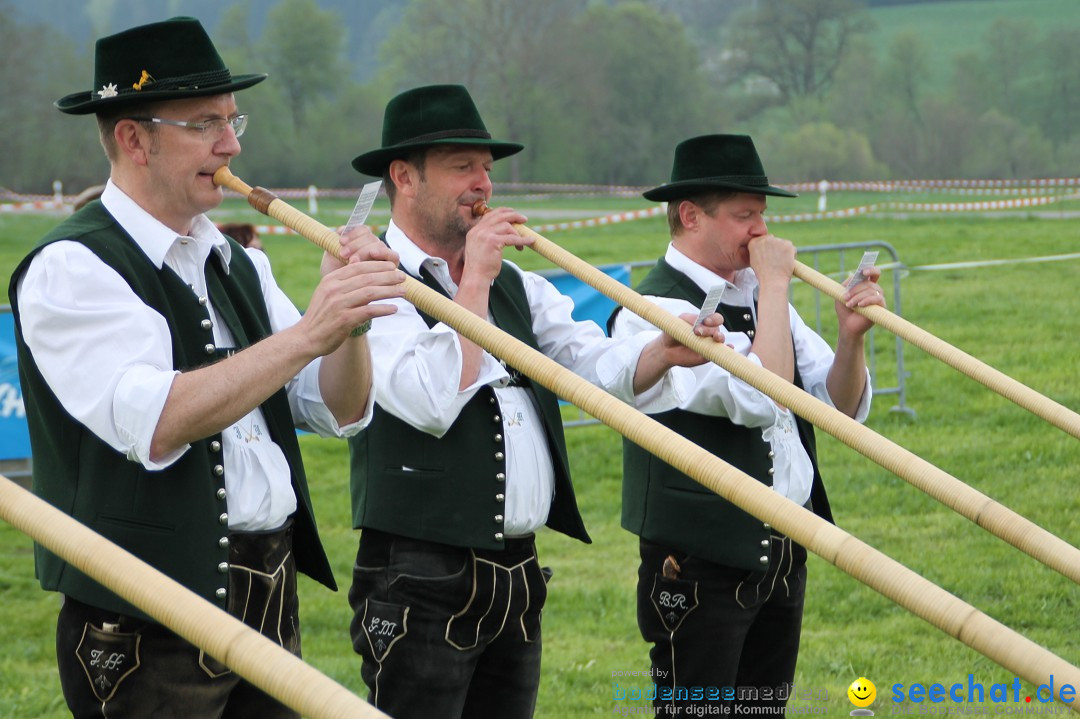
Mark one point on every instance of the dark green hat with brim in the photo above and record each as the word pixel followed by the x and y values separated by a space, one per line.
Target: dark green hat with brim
pixel 427 116
pixel 168 60
pixel 715 162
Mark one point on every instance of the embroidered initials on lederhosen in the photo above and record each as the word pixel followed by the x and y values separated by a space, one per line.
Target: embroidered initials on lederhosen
pixel 384 624
pixel 107 658
pixel 673 600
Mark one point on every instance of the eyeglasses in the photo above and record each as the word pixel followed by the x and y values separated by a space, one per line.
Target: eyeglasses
pixel 211 129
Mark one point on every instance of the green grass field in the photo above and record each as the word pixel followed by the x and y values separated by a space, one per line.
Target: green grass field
pixel 1019 318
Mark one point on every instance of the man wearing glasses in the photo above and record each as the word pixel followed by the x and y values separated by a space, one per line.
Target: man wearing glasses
pixel 165 374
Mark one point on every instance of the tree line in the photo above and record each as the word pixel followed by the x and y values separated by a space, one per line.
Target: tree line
pixel 599 92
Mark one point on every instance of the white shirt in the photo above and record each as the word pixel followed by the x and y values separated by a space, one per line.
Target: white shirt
pixel 720 394
pixel 418 370
pixel 108 357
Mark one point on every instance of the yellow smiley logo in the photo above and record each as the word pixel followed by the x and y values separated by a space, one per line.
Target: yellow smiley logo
pixel 862 692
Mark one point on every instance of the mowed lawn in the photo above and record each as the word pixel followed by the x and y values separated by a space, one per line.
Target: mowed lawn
pixel 1018 317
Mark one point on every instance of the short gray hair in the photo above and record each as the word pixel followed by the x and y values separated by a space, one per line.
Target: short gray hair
pixel 107 125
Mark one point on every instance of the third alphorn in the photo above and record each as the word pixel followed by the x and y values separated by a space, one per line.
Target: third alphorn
pixel 1056 414
pixel 984 511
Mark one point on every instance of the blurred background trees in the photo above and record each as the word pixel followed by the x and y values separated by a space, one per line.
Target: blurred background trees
pixel 598 91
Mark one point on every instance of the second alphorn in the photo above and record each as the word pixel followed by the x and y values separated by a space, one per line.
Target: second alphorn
pixel 984 511
pixel 893 580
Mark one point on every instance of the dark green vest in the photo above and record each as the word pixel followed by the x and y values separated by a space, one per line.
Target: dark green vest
pixel 663 505
pixel 454 490
pixel 171 519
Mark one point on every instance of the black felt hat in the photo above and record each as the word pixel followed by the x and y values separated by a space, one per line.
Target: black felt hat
pixel 426 116
pixel 167 60
pixel 715 162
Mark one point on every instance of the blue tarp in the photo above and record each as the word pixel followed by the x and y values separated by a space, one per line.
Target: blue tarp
pixel 14 436
pixel 588 303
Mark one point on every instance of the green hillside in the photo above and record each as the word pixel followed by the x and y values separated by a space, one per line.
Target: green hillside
pixel 950 28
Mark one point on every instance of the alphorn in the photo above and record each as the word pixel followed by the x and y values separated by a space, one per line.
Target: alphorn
pixel 265 664
pixel 885 575
pixel 967 501
pixel 1040 405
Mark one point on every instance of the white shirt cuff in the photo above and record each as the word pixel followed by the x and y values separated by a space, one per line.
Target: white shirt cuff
pixel 139 400
pixel 310 411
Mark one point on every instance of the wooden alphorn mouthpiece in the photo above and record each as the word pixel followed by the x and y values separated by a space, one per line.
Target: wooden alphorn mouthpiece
pixel 480 208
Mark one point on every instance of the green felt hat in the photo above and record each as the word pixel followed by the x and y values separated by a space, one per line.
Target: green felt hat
pixel 715 162
pixel 426 116
pixel 167 60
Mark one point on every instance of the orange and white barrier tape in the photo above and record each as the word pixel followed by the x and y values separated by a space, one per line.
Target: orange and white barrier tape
pixel 833 214
pixel 34 206
pixel 661 210
pixel 283 230
pixel 977 206
pixel 1013 186
pixel 605 220
pixel 989 205
pixel 1037 191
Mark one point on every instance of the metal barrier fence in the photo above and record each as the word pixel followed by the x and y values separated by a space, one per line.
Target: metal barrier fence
pixel 886 379
pixel 884 383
